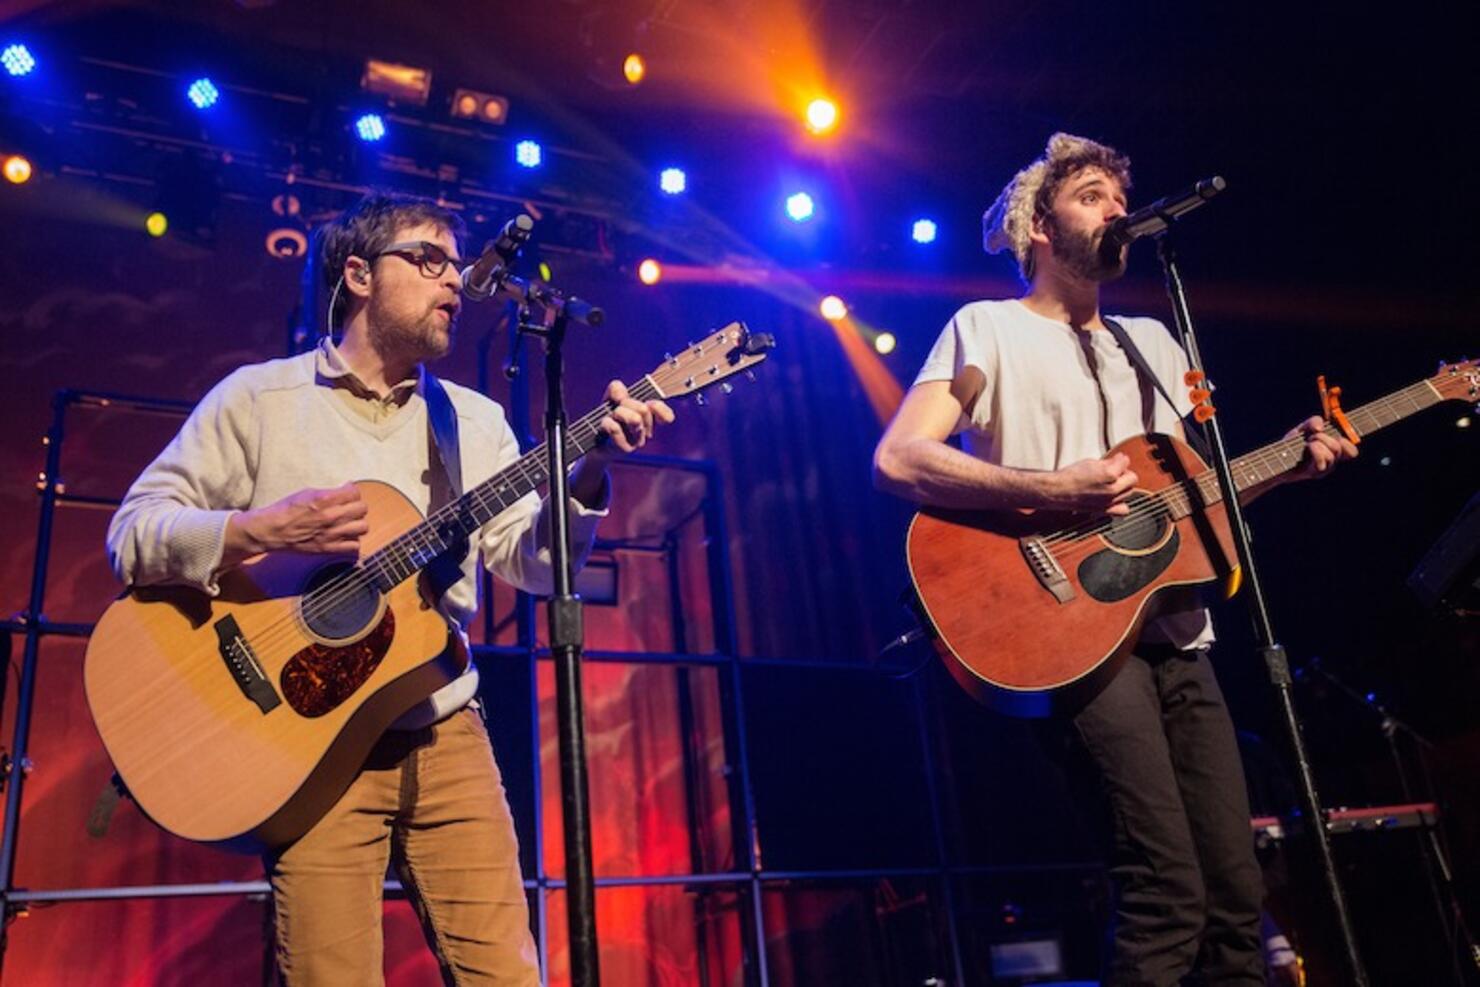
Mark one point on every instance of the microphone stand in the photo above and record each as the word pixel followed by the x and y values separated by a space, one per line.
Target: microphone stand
pixel 490 275
pixel 566 631
pixel 1275 660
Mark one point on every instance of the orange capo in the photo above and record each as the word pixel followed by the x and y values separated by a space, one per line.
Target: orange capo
pixel 1331 409
pixel 1201 391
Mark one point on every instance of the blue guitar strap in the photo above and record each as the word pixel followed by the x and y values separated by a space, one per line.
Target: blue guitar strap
pixel 442 421
pixel 442 424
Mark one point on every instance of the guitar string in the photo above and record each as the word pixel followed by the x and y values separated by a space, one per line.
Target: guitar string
pixel 1177 499
pixel 1154 505
pixel 407 547
pixel 354 580
pixel 400 551
pixel 1365 419
pixel 1370 411
pixel 389 557
pixel 333 593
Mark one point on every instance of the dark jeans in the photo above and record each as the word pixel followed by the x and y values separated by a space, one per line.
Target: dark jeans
pixel 1186 886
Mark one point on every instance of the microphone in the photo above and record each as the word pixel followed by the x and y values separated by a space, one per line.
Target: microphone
pixel 1153 219
pixel 486 275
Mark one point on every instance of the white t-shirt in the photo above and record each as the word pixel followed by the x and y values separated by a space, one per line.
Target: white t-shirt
pixel 1041 409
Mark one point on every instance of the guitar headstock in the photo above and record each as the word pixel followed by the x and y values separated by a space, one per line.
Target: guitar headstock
pixel 1458 381
pixel 720 355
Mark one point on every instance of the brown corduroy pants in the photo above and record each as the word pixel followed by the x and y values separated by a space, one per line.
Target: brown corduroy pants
pixel 433 801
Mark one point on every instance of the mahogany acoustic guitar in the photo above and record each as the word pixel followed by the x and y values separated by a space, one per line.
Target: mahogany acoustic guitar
pixel 1035 610
pixel 239 720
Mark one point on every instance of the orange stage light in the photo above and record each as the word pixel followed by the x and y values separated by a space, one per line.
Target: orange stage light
pixel 880 387
pixel 649 271
pixel 833 308
pixel 634 68
pixel 17 169
pixel 822 115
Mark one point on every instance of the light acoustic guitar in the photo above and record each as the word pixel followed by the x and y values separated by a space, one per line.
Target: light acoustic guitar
pixel 239 720
pixel 1034 611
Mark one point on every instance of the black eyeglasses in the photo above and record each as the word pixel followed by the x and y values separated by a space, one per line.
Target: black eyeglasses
pixel 432 259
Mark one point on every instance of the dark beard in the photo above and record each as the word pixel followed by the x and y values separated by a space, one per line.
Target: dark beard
pixel 1080 253
pixel 417 339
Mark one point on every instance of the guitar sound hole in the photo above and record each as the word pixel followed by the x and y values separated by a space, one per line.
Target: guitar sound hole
pixel 340 611
pixel 1142 528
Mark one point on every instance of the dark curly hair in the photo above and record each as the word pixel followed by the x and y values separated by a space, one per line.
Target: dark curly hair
pixel 369 226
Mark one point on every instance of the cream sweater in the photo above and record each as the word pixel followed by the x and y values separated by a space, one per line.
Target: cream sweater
pixel 272 429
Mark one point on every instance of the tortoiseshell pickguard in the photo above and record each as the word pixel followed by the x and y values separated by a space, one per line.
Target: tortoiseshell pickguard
pixel 320 677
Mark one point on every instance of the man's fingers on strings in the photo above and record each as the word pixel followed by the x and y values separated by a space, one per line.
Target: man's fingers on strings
pixel 642 411
pixel 616 434
pixel 1122 485
pixel 633 419
pixel 616 392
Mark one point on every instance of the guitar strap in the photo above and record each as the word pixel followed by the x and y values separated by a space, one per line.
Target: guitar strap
pixel 442 422
pixel 442 426
pixel 1149 380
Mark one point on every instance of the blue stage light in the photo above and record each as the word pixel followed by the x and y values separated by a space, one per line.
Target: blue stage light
pixel 202 93
pixel 923 231
pixel 529 154
pixel 800 207
pixel 370 127
pixel 673 181
pixel 18 60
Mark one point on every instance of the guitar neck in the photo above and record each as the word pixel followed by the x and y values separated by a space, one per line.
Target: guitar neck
pixel 1279 458
pixel 450 524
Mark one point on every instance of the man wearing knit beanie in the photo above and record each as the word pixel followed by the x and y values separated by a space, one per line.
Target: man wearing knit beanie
pixel 1041 390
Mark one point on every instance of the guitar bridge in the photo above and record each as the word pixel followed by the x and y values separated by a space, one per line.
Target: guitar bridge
pixel 1046 568
pixel 242 663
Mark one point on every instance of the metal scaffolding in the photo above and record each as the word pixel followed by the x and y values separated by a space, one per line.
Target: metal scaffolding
pixel 748 878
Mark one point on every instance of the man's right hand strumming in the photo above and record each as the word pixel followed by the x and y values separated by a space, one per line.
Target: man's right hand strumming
pixel 321 521
pixel 1092 485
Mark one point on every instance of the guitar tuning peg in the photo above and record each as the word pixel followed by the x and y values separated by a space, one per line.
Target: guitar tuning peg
pixel 727 387
pixel 750 376
pixel 699 399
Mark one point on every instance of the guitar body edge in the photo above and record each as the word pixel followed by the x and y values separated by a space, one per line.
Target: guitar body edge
pixel 1013 643
pixel 199 756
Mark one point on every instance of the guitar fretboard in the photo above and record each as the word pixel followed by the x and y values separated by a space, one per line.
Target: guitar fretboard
pixel 452 523
pixel 1281 457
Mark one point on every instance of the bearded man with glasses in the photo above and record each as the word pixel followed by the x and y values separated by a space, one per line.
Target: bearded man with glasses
pixel 265 463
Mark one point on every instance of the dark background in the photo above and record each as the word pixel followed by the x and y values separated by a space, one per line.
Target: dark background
pixel 1344 246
